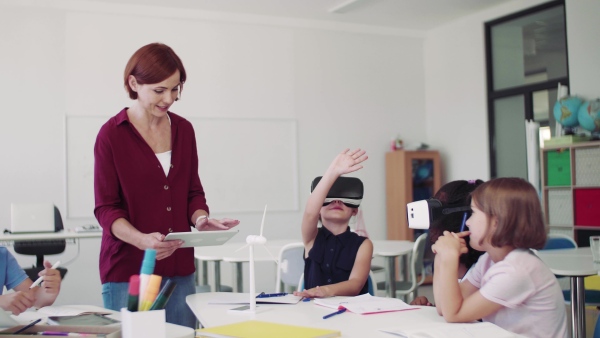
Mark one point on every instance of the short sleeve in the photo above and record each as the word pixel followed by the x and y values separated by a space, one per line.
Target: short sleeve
pixel 13 273
pixel 506 285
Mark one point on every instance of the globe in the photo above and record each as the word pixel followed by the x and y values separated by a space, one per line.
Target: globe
pixel 566 110
pixel 589 115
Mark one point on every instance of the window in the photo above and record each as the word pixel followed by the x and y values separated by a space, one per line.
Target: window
pixel 526 57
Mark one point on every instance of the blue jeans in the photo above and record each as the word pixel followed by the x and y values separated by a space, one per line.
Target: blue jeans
pixel 115 295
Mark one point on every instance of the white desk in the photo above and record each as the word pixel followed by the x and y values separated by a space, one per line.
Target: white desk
pixel 49 236
pixel 389 249
pixel 173 330
pixel 309 314
pixel 577 264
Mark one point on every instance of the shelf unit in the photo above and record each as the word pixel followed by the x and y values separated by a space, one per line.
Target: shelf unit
pixel 571 189
pixel 410 176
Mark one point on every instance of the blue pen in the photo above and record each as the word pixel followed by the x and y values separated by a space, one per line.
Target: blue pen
pixel 267 295
pixel 342 310
pixel 462 227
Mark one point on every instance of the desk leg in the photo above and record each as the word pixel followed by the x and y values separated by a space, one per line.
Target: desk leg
pixel 391 277
pixel 204 272
pixel 577 307
pixel 217 276
pixel 239 276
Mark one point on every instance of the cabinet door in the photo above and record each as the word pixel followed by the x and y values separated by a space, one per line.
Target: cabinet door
pixel 410 176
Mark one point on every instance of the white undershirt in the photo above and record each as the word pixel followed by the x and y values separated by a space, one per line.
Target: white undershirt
pixel 165 158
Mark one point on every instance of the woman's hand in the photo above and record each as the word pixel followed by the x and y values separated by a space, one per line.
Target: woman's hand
pixel 318 292
pixel 18 301
pixel 204 223
pixel 156 241
pixel 451 243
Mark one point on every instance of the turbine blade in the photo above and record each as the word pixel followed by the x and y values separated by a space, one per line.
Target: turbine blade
pixel 270 254
pixel 243 247
pixel 262 224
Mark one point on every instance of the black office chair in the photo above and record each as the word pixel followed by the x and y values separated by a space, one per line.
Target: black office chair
pixel 39 248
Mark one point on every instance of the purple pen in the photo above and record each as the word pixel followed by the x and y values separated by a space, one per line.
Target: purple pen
pixel 464 221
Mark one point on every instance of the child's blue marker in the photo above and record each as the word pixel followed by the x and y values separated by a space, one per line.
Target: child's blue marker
pixel 462 227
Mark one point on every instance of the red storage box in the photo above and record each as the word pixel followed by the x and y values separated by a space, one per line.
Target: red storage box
pixel 587 207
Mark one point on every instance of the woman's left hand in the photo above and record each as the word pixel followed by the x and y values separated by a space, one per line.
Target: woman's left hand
pixel 211 224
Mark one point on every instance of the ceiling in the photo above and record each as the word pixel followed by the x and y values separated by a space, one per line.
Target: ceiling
pixel 420 15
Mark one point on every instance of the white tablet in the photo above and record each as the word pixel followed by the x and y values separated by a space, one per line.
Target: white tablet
pixel 202 238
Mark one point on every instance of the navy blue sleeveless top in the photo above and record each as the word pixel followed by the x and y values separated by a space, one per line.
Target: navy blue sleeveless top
pixel 331 258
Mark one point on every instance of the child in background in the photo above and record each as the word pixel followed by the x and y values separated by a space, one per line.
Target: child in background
pixel 509 285
pixel 455 193
pixel 13 277
pixel 337 261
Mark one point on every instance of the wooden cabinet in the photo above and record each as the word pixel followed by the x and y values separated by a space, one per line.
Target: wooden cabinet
pixel 410 176
pixel 571 189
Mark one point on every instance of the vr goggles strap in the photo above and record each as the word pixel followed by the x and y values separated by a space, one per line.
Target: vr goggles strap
pixel 447 211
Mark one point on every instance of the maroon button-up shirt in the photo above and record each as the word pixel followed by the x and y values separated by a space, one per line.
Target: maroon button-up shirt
pixel 129 182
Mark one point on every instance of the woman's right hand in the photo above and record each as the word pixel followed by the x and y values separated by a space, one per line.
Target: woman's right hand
pixel 163 248
pixel 17 302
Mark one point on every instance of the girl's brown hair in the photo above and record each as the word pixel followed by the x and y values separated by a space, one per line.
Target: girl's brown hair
pixel 515 206
pixel 153 63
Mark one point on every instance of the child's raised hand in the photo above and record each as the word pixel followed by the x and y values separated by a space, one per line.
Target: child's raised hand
pixel 348 161
pixel 451 243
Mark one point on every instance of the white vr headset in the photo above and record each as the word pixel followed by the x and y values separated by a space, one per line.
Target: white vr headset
pixel 421 214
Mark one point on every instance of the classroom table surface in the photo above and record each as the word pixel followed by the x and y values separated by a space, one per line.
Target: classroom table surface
pixel 311 315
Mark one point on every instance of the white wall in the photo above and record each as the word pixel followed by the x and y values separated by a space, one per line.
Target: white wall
pixel 345 87
pixel 584 49
pixel 455 81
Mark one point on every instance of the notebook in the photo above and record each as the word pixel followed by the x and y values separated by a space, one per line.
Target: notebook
pixel 6 320
pixel 31 218
pixel 260 329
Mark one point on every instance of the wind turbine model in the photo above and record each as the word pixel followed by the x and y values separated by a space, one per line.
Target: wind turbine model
pixel 251 241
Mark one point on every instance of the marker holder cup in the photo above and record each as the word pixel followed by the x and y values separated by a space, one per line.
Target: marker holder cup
pixel 150 324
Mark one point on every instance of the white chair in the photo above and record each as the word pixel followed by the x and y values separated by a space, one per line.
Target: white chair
pixel 291 265
pixel 404 288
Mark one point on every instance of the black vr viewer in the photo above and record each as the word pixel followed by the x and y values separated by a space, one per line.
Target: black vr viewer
pixel 348 190
pixel 421 214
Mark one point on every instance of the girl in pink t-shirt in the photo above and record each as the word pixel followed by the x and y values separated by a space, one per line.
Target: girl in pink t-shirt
pixel 509 285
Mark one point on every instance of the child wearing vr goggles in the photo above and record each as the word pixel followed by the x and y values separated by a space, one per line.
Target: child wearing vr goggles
pixel 337 261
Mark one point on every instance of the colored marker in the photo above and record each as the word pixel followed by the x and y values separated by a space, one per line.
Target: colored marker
pixel 151 292
pixel 464 221
pixel 145 272
pixel 134 293
pixel 342 310
pixel 164 295
pixel 268 295
pixel 39 280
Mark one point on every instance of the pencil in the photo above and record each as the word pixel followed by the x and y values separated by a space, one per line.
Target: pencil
pixel 28 326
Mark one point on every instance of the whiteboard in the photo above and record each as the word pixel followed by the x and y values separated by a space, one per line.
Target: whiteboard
pixel 243 163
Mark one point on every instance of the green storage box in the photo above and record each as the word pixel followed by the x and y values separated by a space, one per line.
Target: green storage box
pixel 558 167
